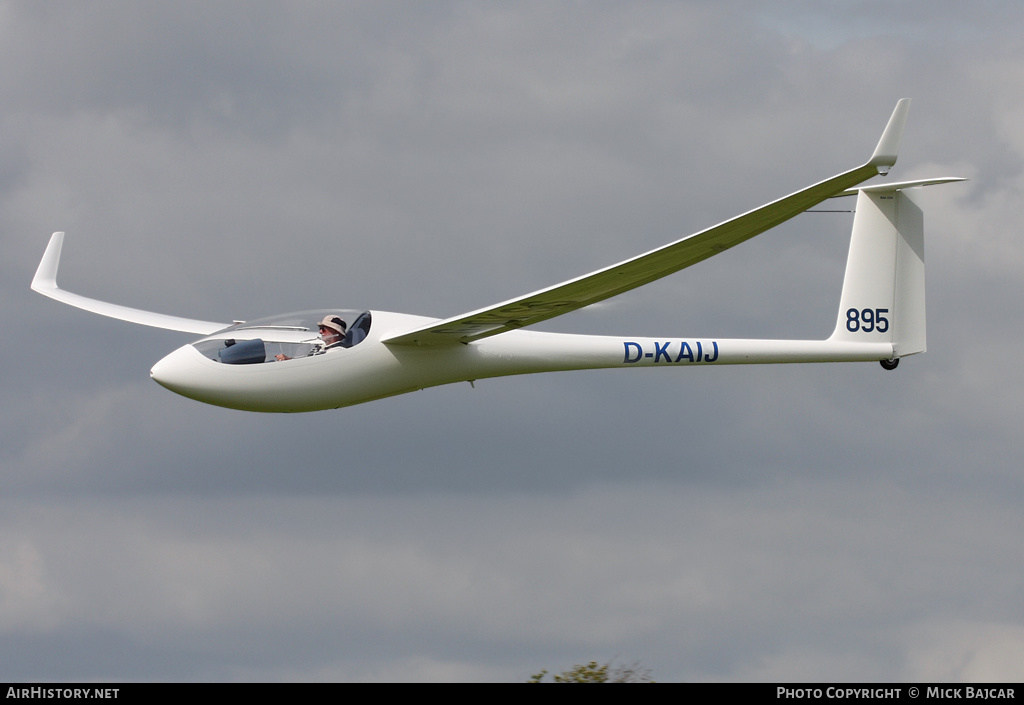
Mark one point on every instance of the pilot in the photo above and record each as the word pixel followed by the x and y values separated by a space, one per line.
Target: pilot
pixel 332 332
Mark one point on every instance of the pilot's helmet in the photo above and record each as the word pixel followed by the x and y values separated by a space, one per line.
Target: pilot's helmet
pixel 334 323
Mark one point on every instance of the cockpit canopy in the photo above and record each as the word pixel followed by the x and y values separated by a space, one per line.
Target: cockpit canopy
pixel 291 335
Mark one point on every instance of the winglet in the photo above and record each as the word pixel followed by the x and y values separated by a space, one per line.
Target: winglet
pixel 889 146
pixel 46 275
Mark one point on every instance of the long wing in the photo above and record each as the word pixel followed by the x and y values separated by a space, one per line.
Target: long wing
pixel 45 282
pixel 643 269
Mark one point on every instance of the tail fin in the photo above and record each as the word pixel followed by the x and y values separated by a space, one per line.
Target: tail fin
pixel 883 292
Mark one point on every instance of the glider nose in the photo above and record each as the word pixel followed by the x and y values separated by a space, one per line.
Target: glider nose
pixel 177 370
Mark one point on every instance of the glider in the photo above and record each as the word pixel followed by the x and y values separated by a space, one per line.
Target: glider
pixel 283 364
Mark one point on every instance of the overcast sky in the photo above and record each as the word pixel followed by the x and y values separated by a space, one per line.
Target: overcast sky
pixel 235 160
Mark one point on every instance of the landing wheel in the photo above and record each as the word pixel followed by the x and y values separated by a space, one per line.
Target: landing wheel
pixel 889 364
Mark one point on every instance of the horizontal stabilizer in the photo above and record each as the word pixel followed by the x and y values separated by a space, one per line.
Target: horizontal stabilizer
pixel 900 185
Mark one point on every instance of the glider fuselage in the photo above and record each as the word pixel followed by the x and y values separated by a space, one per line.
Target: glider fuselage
pixel 373 369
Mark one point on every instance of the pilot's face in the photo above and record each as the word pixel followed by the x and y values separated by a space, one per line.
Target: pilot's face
pixel 329 335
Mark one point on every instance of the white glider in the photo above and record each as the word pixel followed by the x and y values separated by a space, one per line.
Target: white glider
pixel 280 364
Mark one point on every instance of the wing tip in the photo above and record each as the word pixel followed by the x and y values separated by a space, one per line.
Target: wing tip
pixel 45 279
pixel 888 149
pixel 45 283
